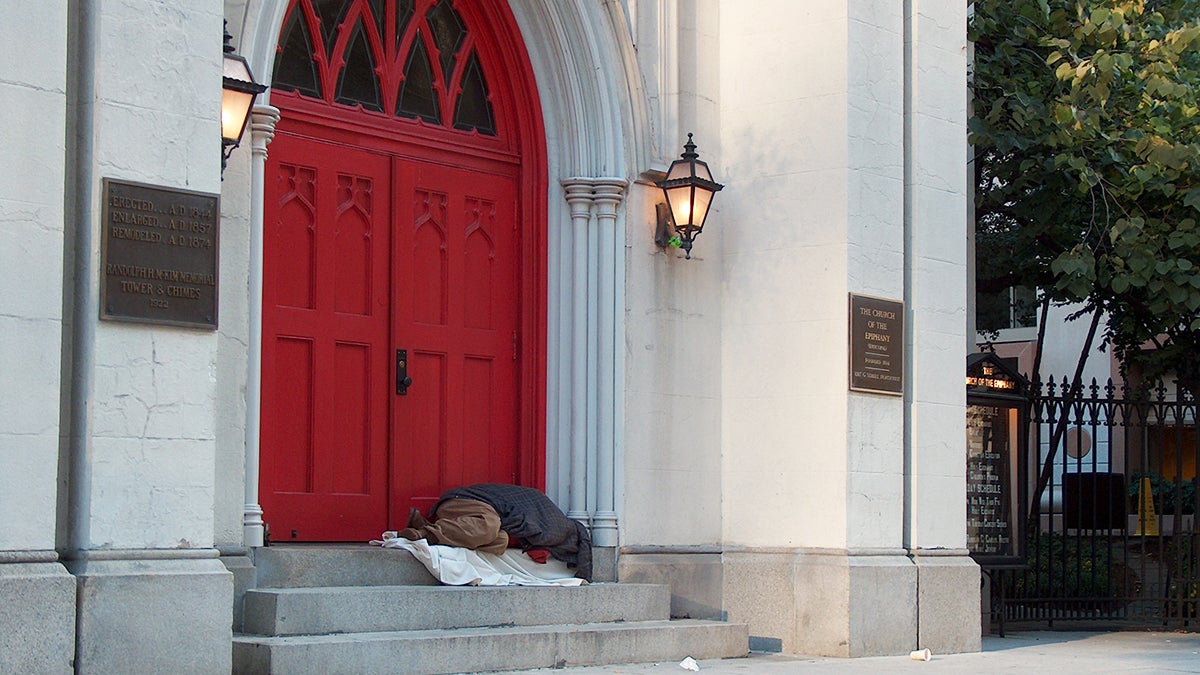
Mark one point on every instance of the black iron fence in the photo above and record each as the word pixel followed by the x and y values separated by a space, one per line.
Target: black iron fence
pixel 1110 531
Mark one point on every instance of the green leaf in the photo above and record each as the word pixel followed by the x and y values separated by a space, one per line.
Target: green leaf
pixel 1192 198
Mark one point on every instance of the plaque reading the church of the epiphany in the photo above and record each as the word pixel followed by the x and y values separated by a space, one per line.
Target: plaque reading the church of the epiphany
pixel 876 345
pixel 159 255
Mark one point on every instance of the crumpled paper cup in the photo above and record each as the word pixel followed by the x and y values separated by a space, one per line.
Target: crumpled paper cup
pixel 921 655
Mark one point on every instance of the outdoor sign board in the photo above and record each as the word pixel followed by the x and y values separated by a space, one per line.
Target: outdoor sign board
pixel 994 406
pixel 158 255
pixel 876 345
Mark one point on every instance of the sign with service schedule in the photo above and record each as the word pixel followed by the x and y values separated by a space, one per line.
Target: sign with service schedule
pixel 158 255
pixel 876 345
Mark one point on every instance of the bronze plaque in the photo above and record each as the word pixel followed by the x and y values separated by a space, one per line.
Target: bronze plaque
pixel 876 345
pixel 159 255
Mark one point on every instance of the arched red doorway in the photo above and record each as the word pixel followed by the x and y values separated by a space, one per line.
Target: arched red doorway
pixel 404 231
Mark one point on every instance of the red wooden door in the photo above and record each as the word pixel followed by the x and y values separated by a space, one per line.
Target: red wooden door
pixel 455 294
pixel 326 311
pixel 404 211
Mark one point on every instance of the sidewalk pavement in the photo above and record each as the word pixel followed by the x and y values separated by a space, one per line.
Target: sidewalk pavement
pixel 1054 652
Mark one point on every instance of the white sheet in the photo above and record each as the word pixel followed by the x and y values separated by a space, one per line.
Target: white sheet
pixel 463 567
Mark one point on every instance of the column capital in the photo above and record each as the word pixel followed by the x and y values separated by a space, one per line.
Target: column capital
pixel 608 194
pixel 263 119
pixel 577 187
pixel 609 188
pixel 579 196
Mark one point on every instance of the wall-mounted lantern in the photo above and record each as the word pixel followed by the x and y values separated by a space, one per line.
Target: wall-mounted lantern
pixel 237 97
pixel 689 188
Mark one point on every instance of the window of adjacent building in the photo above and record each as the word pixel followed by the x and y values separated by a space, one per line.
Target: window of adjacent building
pixel 1010 314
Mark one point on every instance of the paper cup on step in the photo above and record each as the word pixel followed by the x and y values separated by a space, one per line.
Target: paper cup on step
pixel 921 655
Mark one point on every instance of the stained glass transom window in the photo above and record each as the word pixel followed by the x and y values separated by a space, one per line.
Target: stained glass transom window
pixel 414 59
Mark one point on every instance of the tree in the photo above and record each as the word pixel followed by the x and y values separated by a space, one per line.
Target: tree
pixel 1087 141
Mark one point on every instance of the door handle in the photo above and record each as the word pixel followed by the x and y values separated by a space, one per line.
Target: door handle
pixel 403 381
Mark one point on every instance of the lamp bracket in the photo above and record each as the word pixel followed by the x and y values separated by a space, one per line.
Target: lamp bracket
pixel 662 229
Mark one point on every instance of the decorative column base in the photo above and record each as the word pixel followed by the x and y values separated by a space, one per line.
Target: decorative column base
pixel 824 602
pixel 143 613
pixel 604 529
pixel 253 529
pixel 949 599
pixel 694 573
pixel 37 626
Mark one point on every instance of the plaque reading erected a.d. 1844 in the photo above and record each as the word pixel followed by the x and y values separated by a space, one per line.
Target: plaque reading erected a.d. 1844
pixel 876 345
pixel 159 255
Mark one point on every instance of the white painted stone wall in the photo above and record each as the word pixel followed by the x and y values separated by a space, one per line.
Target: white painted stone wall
pixel 672 479
pixel 937 198
pixel 814 130
pixel 785 122
pixel 875 248
pixel 149 478
pixel 33 96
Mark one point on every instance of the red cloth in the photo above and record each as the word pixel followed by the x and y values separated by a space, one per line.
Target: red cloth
pixel 539 555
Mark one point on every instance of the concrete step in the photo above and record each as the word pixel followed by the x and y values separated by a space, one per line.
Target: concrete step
pixel 312 611
pixel 309 565
pixel 465 650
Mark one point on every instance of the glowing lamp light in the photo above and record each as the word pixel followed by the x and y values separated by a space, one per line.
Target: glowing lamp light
pixel 238 92
pixel 689 188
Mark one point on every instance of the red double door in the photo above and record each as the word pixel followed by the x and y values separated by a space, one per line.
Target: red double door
pixel 380 267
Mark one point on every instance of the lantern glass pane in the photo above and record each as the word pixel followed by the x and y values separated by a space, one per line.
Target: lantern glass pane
pixel 679 170
pixel 236 69
pixel 235 106
pixel 680 200
pixel 702 171
pixel 702 200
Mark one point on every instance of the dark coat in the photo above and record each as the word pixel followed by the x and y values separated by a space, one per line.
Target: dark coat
pixel 530 516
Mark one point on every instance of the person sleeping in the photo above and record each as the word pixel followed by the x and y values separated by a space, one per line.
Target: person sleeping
pixel 483 517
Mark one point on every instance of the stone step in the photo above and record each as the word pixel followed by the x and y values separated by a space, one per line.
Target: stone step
pixel 312 611
pixel 309 565
pixel 465 650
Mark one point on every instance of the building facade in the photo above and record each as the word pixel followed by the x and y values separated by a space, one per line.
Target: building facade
pixel 696 413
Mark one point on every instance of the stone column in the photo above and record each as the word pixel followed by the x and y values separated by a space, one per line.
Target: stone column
pixel 37 622
pixel 819 498
pixel 593 205
pixel 262 131
pixel 579 199
pixel 152 593
pixel 609 193
pixel 936 185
